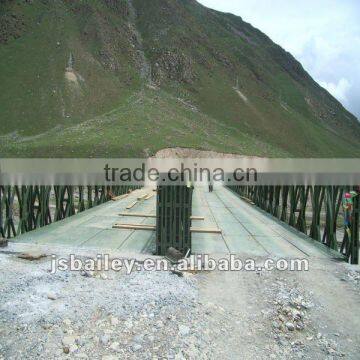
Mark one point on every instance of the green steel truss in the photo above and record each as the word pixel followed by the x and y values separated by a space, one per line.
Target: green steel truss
pixel 314 210
pixel 173 212
pixel 25 208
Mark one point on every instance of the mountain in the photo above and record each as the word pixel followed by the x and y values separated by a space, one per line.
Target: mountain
pixel 129 77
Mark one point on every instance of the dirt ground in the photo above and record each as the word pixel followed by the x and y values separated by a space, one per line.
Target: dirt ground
pixel 157 315
pixel 186 153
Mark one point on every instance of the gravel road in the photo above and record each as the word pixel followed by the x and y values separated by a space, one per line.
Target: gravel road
pixel 157 315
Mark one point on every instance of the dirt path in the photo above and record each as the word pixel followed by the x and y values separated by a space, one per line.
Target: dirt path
pixel 322 304
pixel 156 315
pixel 242 332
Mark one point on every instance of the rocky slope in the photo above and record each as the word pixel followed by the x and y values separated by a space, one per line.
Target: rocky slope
pixel 87 78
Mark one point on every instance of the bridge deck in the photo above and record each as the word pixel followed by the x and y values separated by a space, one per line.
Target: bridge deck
pixel 245 229
pixel 93 228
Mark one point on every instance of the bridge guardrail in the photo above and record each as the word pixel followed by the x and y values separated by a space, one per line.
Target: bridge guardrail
pixel 318 206
pixel 26 208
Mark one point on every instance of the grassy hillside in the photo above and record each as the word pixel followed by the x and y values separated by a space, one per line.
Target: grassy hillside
pixel 146 122
pixel 129 77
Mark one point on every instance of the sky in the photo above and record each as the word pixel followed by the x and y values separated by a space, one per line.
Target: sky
pixel 324 35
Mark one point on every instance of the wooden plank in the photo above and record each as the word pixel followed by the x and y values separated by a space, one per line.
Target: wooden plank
pixel 142 197
pixel 154 216
pixel 135 227
pixel 120 197
pixel 197 218
pixel 137 215
pixel 149 196
pixel 132 205
pixel 205 230
pixel 131 224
